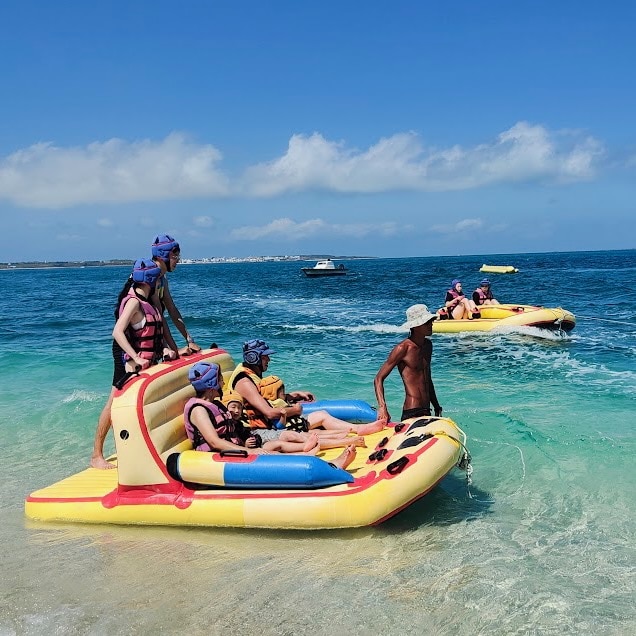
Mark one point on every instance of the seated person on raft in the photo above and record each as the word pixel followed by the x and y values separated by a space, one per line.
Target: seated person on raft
pixel 246 380
pixel 483 294
pixel 457 306
pixel 210 427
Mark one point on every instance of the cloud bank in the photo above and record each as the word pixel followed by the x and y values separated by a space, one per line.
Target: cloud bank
pixel 116 171
pixel 288 230
pixel 47 176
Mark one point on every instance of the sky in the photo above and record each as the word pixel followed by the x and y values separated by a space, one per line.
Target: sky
pixel 280 127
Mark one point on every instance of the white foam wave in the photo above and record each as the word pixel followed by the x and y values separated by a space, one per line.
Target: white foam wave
pixel 82 396
pixel 377 328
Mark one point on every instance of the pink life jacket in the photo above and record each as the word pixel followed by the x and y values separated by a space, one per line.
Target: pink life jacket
pixel 455 294
pixel 483 296
pixel 220 418
pixel 147 341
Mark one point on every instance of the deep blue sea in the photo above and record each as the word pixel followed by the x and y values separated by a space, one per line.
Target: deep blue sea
pixel 543 541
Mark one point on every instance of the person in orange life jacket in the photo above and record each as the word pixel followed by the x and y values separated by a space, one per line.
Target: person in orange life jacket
pixel 211 428
pixel 272 389
pixel 483 294
pixel 458 305
pixel 412 357
pixel 166 253
pixel 137 341
pixel 247 378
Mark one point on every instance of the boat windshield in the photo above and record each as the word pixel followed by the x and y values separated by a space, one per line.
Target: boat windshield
pixel 328 264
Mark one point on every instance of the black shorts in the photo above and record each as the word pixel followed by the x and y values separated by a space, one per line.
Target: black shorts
pixel 418 412
pixel 118 360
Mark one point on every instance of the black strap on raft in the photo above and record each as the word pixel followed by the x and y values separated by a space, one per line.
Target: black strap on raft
pixel 235 452
pixel 414 441
pixel 398 427
pixel 172 465
pixel 397 466
pixel 124 378
pixel 425 421
pixel 378 455
pixel 383 442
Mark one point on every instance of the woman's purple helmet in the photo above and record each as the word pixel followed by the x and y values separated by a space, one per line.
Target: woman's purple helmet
pixel 146 271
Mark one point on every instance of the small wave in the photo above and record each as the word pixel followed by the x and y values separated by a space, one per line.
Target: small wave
pixel 378 328
pixel 82 396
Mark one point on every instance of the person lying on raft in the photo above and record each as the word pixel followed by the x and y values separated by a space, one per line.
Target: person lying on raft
pixel 457 305
pixel 254 438
pixel 272 390
pixel 246 380
pixel 211 428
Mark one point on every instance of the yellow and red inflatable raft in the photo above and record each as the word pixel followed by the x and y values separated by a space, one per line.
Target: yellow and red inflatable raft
pixel 160 480
pixel 509 315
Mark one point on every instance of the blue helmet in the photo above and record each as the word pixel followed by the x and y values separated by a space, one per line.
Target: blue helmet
pixel 162 246
pixel 146 271
pixel 254 350
pixel 485 283
pixel 454 282
pixel 205 375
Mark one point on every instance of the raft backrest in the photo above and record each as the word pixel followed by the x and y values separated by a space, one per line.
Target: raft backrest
pixel 163 406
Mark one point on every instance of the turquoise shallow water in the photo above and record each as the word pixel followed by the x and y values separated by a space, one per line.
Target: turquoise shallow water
pixel 543 542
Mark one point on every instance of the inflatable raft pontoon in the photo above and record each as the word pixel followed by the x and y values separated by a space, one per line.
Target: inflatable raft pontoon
pixel 160 480
pixel 497 316
pixel 498 269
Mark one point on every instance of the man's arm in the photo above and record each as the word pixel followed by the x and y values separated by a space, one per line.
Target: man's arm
pixel 431 387
pixel 394 358
pixel 176 317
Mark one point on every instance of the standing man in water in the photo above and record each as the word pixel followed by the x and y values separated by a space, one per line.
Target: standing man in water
pixel 166 253
pixel 412 357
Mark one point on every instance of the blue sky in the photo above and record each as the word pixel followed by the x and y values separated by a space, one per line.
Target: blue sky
pixel 285 127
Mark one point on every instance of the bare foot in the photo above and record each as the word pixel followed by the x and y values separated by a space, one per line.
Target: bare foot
pixel 101 463
pixel 345 458
pixel 312 443
pixel 372 427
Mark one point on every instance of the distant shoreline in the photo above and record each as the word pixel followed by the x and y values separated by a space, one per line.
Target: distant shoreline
pixel 187 261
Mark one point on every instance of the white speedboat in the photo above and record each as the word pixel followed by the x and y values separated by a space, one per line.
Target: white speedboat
pixel 325 268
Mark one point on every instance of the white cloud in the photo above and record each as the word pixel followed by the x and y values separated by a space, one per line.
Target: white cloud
pixel 202 221
pixel 522 153
pixel 289 230
pixel 116 171
pixel 466 225
pixel 105 222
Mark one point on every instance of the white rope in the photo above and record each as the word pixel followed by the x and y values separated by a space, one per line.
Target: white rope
pixel 616 322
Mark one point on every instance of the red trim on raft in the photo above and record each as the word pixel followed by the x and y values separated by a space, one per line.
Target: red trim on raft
pixel 180 362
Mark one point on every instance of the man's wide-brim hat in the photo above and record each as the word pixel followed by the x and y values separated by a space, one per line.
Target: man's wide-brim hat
pixel 417 315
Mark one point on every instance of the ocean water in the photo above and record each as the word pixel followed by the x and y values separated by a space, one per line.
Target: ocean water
pixel 542 542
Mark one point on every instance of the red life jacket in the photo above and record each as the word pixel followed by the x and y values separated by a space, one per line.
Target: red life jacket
pixel 484 295
pixel 220 418
pixel 147 341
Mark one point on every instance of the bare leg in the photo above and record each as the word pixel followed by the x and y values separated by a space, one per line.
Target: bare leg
pixel 104 424
pixel 335 442
pixel 331 423
pixel 310 447
pixel 345 458
pixel 371 427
